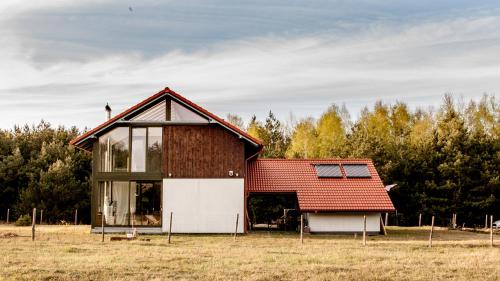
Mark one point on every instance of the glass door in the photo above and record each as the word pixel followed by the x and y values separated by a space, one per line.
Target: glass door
pixel 146 208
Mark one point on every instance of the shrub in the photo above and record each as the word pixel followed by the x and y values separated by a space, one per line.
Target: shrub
pixel 23 220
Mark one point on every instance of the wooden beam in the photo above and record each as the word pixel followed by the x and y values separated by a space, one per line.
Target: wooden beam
pixel 33 222
pixel 430 234
pixel 301 228
pixel 236 228
pixel 491 230
pixel 170 228
pixel 383 226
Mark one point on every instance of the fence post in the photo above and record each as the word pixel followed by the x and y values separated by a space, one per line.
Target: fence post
pixel 33 222
pixel 419 219
pixel 236 228
pixel 364 230
pixel 8 215
pixel 41 216
pixel 491 230
pixel 486 222
pixel 102 225
pixel 170 228
pixel 76 216
pixel 386 219
pixel 430 235
pixel 301 228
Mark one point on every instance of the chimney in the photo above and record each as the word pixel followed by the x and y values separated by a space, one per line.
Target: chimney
pixel 108 111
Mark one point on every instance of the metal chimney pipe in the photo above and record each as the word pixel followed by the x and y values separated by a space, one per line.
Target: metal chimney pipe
pixel 108 111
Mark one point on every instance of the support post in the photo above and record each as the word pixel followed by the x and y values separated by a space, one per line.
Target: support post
pixel 419 219
pixel 383 226
pixel 41 216
pixel 491 230
pixel 170 228
pixel 486 222
pixel 364 230
pixel 236 228
pixel 456 224
pixel 301 229
pixel 8 215
pixel 430 235
pixel 76 216
pixel 33 222
pixel 386 219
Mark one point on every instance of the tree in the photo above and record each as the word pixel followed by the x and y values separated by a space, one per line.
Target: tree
pixel 272 134
pixel 304 140
pixel 331 132
pixel 235 120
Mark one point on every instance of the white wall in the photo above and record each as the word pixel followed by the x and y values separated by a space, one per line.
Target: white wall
pixel 343 222
pixel 203 205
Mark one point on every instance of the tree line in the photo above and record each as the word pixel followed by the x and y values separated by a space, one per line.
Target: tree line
pixel 39 169
pixel 443 161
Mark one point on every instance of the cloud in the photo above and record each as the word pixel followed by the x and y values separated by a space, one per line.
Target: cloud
pixel 302 72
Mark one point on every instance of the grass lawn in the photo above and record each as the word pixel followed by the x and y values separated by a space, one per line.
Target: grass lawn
pixel 71 253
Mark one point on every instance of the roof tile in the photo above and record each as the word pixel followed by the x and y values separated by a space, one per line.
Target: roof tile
pixel 319 194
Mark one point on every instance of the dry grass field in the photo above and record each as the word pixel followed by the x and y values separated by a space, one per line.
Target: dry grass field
pixel 71 253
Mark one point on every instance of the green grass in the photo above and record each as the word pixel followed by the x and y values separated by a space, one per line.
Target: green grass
pixel 71 253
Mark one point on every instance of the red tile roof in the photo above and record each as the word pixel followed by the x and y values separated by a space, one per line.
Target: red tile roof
pixel 319 194
pixel 166 91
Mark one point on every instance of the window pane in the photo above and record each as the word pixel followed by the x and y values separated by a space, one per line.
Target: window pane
pixel 114 151
pixel 180 113
pixel 138 150
pixel 154 149
pixel 116 202
pixel 147 207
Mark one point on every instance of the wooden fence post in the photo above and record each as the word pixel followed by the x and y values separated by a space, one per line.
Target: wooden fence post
pixel 170 228
pixel 430 235
pixel 8 215
pixel 386 219
pixel 236 228
pixel 41 216
pixel 301 229
pixel 33 222
pixel 102 225
pixel 383 226
pixel 491 230
pixel 419 219
pixel 364 230
pixel 486 222
pixel 76 216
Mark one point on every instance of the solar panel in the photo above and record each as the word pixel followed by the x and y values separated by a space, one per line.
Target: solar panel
pixel 357 171
pixel 328 171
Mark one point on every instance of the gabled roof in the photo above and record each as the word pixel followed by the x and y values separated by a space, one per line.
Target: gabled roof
pixel 158 96
pixel 319 194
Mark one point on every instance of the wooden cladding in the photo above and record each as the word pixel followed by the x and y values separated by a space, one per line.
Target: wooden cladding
pixel 203 151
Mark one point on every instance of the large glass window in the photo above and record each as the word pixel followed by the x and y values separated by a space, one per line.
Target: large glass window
pixel 124 203
pixel 145 153
pixel 114 202
pixel 154 149
pixel 138 163
pixel 114 150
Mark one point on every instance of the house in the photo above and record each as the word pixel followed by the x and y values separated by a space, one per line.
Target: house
pixel 167 157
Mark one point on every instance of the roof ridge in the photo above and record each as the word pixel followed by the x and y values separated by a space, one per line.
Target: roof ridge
pixel 165 91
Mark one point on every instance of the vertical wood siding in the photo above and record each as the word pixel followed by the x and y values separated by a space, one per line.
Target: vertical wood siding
pixel 205 151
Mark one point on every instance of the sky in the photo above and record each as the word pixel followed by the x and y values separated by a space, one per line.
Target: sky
pixel 63 60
